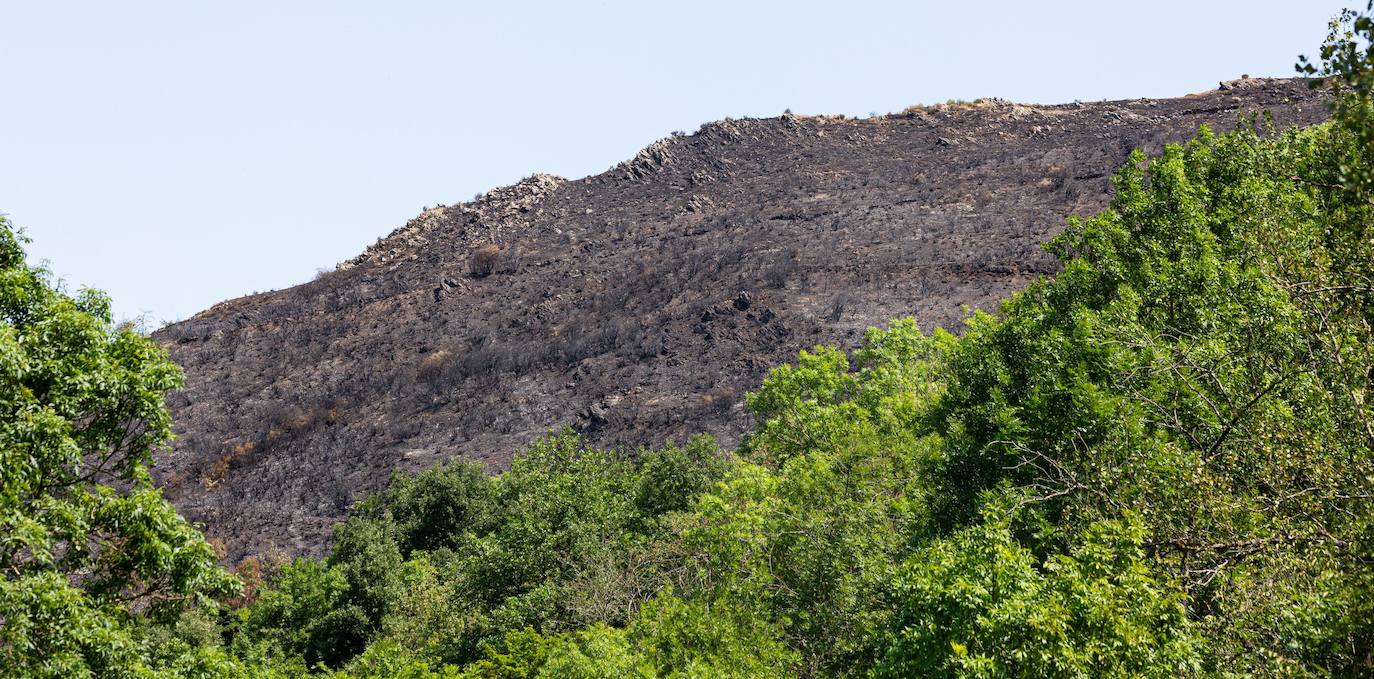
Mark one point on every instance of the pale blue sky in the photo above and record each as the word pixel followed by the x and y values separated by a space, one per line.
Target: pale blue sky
pixel 177 154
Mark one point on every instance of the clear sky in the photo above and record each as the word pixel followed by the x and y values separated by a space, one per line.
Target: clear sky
pixel 176 154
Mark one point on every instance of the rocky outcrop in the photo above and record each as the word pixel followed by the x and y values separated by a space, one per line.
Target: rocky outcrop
pixel 495 207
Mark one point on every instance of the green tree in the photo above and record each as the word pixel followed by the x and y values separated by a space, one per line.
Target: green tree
pixel 810 529
pixel 1346 66
pixel 670 638
pixel 88 546
pixel 979 604
pixel 672 477
pixel 306 614
pixel 1201 362
pixel 445 565
pixel 436 508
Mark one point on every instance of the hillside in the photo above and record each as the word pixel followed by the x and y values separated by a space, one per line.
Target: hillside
pixel 639 304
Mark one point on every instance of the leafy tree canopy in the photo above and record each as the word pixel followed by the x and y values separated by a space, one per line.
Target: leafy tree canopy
pixel 89 549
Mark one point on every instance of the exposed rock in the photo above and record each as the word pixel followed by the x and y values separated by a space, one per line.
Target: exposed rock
pixel 742 301
pixel 649 160
pixel 489 210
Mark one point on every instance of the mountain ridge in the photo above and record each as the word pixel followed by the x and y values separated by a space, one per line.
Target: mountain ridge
pixel 638 304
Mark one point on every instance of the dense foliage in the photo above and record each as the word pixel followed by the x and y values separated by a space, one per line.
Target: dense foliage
pixel 90 551
pixel 1158 463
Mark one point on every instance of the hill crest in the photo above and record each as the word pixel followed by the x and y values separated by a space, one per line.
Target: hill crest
pixel 638 304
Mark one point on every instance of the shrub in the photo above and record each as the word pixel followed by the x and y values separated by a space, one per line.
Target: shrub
pixel 484 259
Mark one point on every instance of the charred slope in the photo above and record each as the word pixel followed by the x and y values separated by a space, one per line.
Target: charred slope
pixel 639 304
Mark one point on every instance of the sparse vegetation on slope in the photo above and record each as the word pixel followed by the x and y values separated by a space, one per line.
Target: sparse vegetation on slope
pixel 639 305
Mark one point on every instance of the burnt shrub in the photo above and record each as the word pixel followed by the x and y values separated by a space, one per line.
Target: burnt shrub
pixel 484 260
pixel 838 307
pixel 720 399
pixel 777 272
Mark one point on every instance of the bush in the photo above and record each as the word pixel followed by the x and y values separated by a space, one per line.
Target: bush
pixel 484 259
